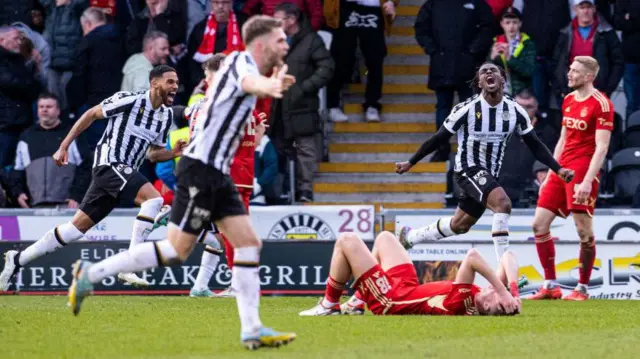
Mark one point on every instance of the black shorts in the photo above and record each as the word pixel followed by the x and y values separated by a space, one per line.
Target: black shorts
pixel 111 185
pixel 203 195
pixel 474 184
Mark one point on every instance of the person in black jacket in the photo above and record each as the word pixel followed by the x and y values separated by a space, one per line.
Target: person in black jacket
pixel 627 19
pixel 543 20
pixel 98 68
pixel 16 11
pixel 457 35
pixel 36 181
pixel 19 87
pixel 295 116
pixel 598 39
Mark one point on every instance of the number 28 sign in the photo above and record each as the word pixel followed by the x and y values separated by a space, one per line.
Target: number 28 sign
pixel 313 222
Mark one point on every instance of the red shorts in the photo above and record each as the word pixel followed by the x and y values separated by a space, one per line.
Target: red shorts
pixel 245 194
pixel 398 292
pixel 557 196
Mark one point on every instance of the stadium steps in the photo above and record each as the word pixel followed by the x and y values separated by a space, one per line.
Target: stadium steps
pixel 362 155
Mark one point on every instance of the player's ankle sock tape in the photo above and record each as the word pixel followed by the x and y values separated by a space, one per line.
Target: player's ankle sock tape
pixel 149 209
pixel 435 231
pixel 246 257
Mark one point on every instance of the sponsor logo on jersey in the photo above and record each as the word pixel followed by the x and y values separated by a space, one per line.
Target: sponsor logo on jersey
pixel 576 124
pixel 480 177
pixel 301 226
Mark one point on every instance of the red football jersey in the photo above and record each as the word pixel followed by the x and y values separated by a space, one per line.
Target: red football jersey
pixel 242 170
pixel 581 119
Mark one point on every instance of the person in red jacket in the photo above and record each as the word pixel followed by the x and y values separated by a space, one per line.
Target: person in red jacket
pixel 311 8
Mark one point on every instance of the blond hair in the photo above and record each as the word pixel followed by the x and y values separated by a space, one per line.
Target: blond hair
pixel 589 63
pixel 257 26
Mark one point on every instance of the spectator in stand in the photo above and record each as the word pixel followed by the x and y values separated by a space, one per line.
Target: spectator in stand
pixel 119 12
pixel 220 32
pixel 366 22
pixel 16 11
pixel 40 45
pixel 19 87
pixel 37 18
pixel 197 11
pixel 36 180
pixel 543 20
pixel 588 35
pixel 159 15
pixel 516 174
pixel 627 19
pixel 295 118
pixel 137 68
pixel 97 72
pixel 63 32
pixel 265 183
pixel 312 9
pixel 515 52
pixel 456 34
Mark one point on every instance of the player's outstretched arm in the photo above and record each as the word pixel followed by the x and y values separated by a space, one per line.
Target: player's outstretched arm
pixel 442 136
pixel 273 86
pixel 542 154
pixel 508 272
pixel 557 152
pixel 87 118
pixel 161 154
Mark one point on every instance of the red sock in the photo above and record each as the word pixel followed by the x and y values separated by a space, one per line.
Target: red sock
pixel 513 289
pixel 547 255
pixel 587 257
pixel 334 290
pixel 228 252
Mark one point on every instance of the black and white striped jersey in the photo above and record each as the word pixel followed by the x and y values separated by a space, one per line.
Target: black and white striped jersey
pixel 484 131
pixel 223 117
pixel 133 126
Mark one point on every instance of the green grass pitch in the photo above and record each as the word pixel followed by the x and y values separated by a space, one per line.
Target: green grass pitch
pixel 181 327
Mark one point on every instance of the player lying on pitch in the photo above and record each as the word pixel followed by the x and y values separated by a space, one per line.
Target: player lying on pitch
pixel 387 282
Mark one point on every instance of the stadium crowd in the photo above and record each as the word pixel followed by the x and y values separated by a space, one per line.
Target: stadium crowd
pixel 61 57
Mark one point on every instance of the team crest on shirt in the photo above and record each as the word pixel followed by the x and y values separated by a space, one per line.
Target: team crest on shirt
pixel 505 116
pixel 584 112
pixel 568 109
pixel 478 115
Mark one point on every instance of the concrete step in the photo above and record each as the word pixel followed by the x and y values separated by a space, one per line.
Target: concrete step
pixel 400 40
pixel 390 158
pixel 405 50
pixel 359 167
pixel 403 79
pixel 397 30
pixel 407 60
pixel 417 3
pixel 381 178
pixel 378 137
pixel 398 107
pixel 398 117
pixel 387 205
pixel 404 70
pixel 373 147
pixel 344 187
pixel 390 89
pixel 351 98
pixel 407 10
pixel 404 21
pixel 379 197
pixel 415 127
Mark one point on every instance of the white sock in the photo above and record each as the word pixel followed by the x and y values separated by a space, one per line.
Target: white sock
pixel 435 231
pixel 246 283
pixel 208 264
pixel 51 242
pixel 145 219
pixel 582 287
pixel 549 283
pixel 500 233
pixel 210 239
pixel 143 256
pixel 355 301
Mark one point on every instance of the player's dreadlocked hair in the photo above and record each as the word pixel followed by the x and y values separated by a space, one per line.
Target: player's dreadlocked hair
pixel 474 83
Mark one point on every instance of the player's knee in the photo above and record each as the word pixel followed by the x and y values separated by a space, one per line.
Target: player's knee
pixel 460 226
pixel 503 204
pixel 348 240
pixel 473 253
pixel 540 226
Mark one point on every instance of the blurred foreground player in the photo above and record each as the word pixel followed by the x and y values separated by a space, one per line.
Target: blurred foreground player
pixel 137 127
pixel 584 141
pixel 386 281
pixel 205 192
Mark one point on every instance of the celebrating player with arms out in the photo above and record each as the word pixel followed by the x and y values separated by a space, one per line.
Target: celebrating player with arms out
pixel 386 281
pixel 484 124
pixel 583 145
pixel 205 191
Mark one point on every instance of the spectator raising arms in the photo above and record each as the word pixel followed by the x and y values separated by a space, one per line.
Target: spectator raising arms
pixel 63 33
pixel 627 19
pixel 589 34
pixel 295 116
pixel 311 8
pixel 36 180
pixel 137 68
pixel 515 52
pixel 20 84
